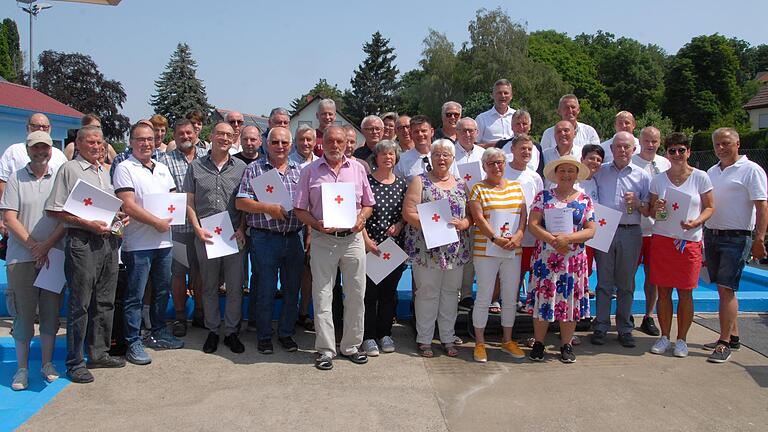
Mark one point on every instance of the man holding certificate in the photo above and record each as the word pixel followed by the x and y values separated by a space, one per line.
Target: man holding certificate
pixel 147 243
pixel 333 247
pixel 275 242
pixel 90 259
pixel 211 184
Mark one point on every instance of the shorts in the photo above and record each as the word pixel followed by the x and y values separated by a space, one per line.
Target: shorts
pixel 645 252
pixel 726 257
pixel 188 240
pixel 671 268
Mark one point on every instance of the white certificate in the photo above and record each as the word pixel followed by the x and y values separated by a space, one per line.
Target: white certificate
pixel 559 220
pixel 180 253
pixel 504 223
pixel 471 172
pixel 339 205
pixel 269 188
pixel 167 205
pixel 91 203
pixel 390 257
pixel 435 218
pixel 51 276
pixel 678 204
pixel 606 223
pixel 220 227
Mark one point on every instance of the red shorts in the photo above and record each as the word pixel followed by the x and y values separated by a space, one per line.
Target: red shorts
pixel 590 259
pixel 645 252
pixel 525 264
pixel 671 268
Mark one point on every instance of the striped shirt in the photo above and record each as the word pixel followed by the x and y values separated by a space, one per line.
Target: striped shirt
pixel 177 164
pixel 510 198
pixel 290 180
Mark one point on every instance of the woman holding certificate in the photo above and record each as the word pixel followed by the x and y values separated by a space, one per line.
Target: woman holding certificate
pixel 561 219
pixel 497 206
pixel 676 239
pixel 437 271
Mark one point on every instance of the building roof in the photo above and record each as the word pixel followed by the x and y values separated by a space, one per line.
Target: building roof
pixel 760 100
pixel 317 99
pixel 22 97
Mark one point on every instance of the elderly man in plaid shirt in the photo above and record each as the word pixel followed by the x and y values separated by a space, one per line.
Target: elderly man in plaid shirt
pixel 276 245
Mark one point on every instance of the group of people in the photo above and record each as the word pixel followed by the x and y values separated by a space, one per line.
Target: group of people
pixel 402 163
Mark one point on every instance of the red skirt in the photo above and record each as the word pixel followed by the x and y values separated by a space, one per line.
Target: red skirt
pixel 671 268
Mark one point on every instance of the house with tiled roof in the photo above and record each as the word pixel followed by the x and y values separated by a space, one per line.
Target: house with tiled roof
pixel 757 107
pixel 18 102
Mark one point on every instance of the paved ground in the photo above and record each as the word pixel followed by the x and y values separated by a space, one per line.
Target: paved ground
pixel 606 388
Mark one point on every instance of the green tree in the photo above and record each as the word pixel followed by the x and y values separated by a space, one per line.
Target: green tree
pixel 321 89
pixel 702 86
pixel 10 33
pixel 374 82
pixel 7 70
pixel 74 79
pixel 179 91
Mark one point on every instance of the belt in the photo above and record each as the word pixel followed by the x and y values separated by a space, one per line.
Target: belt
pixel 284 234
pixel 341 233
pixel 628 225
pixel 730 233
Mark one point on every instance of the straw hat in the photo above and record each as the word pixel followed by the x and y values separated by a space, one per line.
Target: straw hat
pixel 549 170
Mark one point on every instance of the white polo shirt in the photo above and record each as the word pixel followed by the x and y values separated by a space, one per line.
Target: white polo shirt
pixel 606 145
pixel 132 176
pixel 531 183
pixel 413 163
pixel 585 134
pixel 735 188
pixel 535 155
pixel 16 157
pixel 463 156
pixel 492 126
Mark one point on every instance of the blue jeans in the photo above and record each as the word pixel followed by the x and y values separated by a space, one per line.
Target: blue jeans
pixel 726 257
pixel 142 265
pixel 273 253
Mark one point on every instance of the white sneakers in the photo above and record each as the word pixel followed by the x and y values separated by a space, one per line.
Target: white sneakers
pixel 662 345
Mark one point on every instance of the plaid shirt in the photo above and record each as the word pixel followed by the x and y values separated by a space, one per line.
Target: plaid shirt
pixel 177 164
pixel 290 179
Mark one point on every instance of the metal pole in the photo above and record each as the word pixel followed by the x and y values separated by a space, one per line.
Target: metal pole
pixel 31 71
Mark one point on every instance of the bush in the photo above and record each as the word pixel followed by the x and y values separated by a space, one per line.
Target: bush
pixel 751 140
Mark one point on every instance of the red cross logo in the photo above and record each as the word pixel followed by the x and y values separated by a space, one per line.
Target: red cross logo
pixel 675 206
pixel 467 177
pixel 171 208
pixel 217 230
pixel 386 256
pixel 602 222
pixel 88 201
pixel 504 229
pixel 338 199
pixel 270 188
pixel 435 217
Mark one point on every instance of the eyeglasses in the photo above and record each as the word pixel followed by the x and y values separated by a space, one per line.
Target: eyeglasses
pixel 236 122
pixel 442 155
pixel 278 142
pixel 678 150
pixel 470 131
pixel 425 160
pixel 144 139
pixel 35 126
pixel 372 129
pixel 496 163
pixel 224 134
pixel 452 114
pixel 402 127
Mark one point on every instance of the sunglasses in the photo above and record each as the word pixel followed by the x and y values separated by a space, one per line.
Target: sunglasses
pixel 678 150
pixel 236 122
pixel 452 114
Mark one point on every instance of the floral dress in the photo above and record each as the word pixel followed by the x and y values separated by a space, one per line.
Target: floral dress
pixel 445 257
pixel 560 287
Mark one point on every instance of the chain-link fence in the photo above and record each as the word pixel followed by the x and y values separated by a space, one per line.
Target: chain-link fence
pixel 704 160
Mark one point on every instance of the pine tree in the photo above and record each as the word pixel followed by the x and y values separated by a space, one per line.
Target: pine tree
pixel 10 33
pixel 374 82
pixel 179 91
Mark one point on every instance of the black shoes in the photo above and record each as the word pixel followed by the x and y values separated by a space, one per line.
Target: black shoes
pixel 566 354
pixel 537 352
pixel 627 340
pixel 356 357
pixel 648 327
pixel 288 344
pixel 106 362
pixel 598 338
pixel 211 343
pixel 80 375
pixel 234 344
pixel 265 346
pixel 179 328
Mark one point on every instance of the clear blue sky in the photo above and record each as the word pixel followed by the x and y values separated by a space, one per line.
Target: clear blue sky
pixel 254 56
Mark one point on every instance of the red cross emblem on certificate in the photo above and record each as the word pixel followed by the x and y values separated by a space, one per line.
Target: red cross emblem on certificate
pixel 436 217
pixel 171 208
pixel 504 229
pixel 467 177
pixel 386 256
pixel 269 189
pixel 675 206
pixel 88 201
pixel 602 222
pixel 217 230
pixel 338 199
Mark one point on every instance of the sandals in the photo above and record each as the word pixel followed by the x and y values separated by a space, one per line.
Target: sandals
pixel 495 308
pixel 450 349
pixel 425 350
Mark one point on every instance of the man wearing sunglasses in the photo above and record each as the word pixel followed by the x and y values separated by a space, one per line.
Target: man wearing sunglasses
pixel 236 120
pixel 451 113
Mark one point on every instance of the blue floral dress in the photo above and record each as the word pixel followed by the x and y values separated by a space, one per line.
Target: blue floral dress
pixel 560 287
pixel 448 256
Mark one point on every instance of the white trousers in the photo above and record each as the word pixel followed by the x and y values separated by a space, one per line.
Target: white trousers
pixel 436 298
pixel 486 269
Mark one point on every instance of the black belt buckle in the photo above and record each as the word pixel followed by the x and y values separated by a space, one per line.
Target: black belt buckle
pixel 341 234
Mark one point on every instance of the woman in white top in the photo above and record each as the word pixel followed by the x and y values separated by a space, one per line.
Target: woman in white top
pixel 676 240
